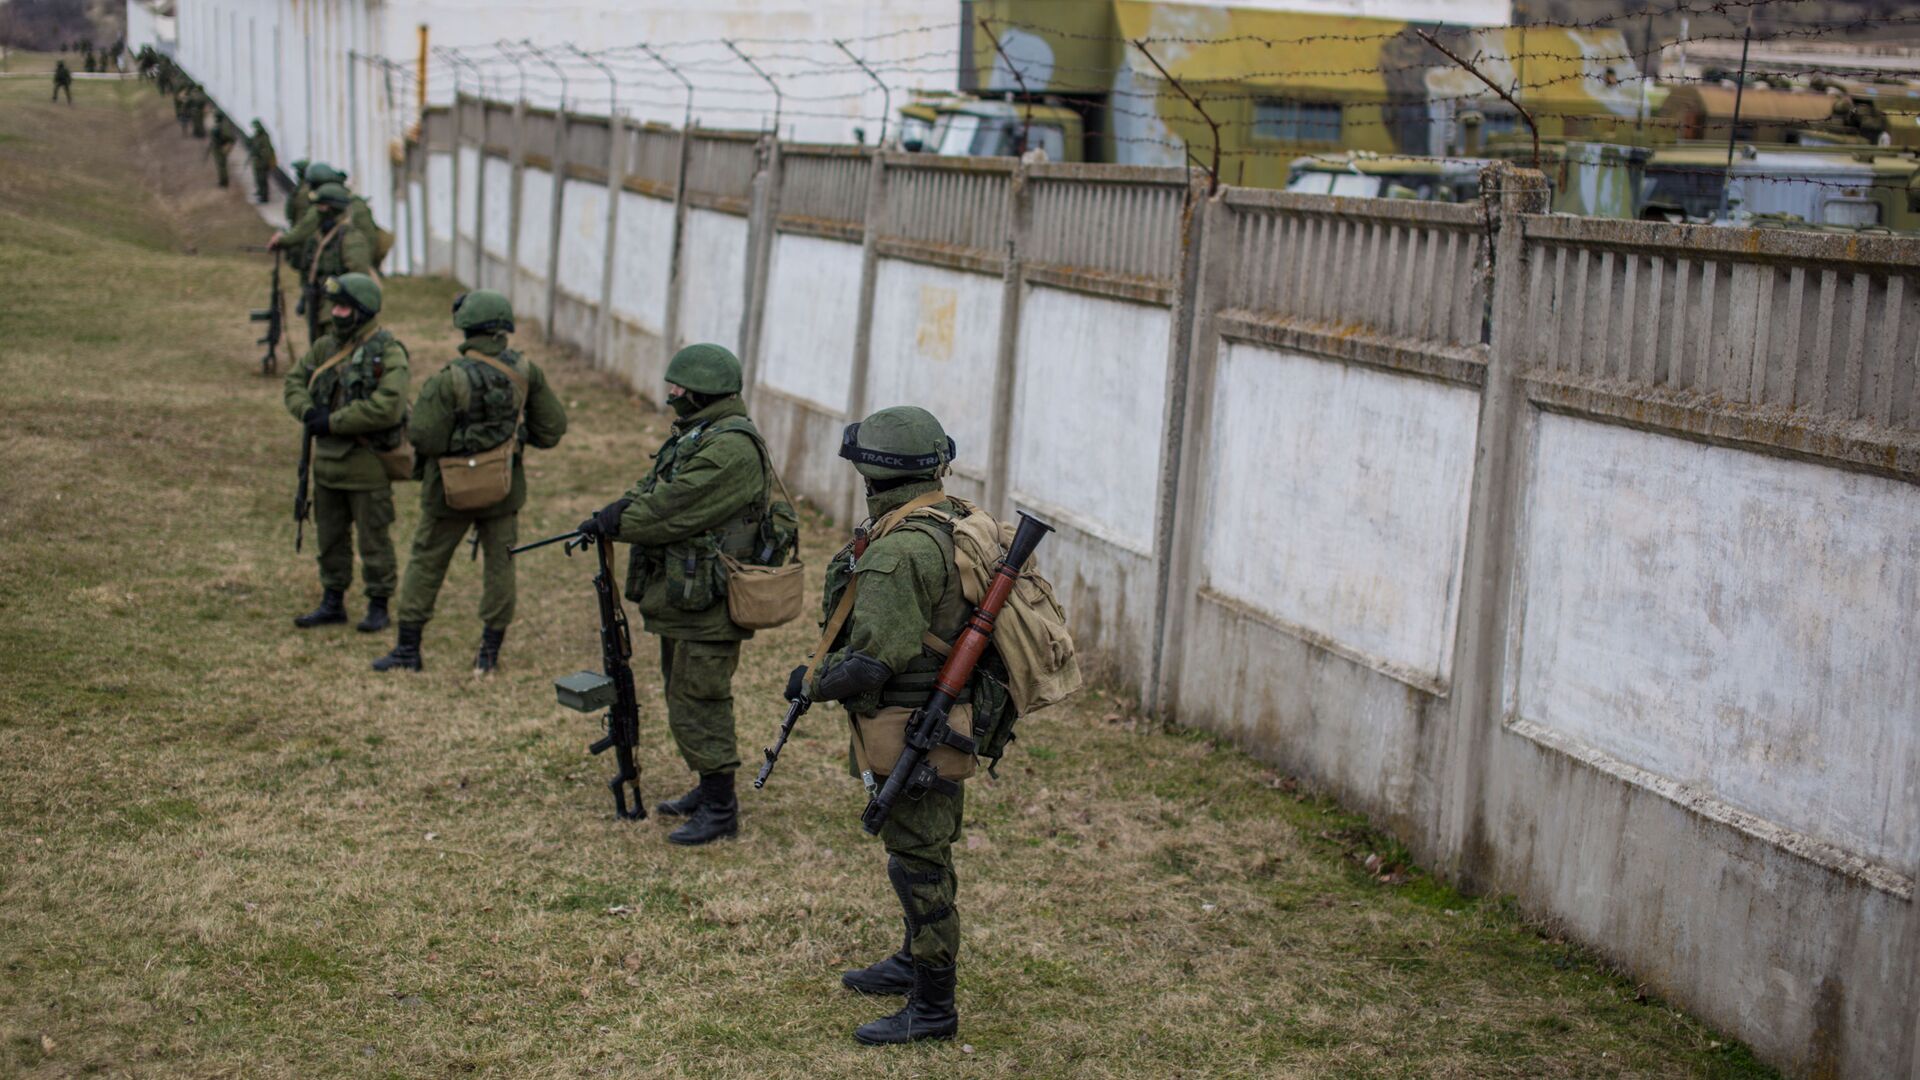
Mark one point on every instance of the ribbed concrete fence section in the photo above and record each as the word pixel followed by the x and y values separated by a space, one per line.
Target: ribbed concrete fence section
pixel 1583 554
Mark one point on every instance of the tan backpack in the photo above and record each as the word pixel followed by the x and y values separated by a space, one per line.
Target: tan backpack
pixel 1031 632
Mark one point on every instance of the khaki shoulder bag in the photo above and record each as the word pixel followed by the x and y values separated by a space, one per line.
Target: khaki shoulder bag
pixel 763 597
pixel 477 481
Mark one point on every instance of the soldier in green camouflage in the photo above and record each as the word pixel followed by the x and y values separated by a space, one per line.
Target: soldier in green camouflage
pixel 197 111
pixel 62 80
pixel 350 392
pixel 219 148
pixel 881 667
pixel 298 200
pixel 330 246
pixel 261 159
pixel 706 496
pixel 469 406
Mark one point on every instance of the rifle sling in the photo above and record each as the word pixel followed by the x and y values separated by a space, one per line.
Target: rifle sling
pixel 845 607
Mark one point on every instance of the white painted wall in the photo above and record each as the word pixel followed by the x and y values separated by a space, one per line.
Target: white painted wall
pixel 1338 503
pixel 1733 621
pixel 713 278
pixel 583 230
pixel 497 215
pixel 813 307
pixel 440 197
pixel 641 261
pixel 536 208
pixel 1089 408
pixel 469 207
pixel 935 336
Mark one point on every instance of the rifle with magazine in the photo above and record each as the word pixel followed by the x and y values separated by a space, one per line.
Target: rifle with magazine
pixel 611 689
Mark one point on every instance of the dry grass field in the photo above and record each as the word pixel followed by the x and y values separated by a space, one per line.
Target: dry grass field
pixel 227 849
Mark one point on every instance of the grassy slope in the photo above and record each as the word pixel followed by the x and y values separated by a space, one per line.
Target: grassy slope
pixel 231 850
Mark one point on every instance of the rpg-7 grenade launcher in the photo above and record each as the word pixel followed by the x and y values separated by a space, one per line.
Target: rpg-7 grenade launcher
pixel 914 773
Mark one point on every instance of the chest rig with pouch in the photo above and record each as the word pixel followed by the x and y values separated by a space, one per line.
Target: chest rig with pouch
pixel 353 374
pixel 478 472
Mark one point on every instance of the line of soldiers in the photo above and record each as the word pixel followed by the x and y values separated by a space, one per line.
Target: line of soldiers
pixel 707 498
pixel 191 107
pixel 330 232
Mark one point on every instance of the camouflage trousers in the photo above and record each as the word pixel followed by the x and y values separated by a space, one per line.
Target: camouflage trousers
pixel 435 540
pixel 261 173
pixel 337 516
pixel 919 836
pixel 220 167
pixel 699 685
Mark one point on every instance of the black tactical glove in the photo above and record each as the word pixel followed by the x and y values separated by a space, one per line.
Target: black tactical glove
pixel 606 520
pixel 797 683
pixel 318 421
pixel 856 674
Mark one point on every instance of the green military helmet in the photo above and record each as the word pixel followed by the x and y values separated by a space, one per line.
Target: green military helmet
pixel 705 369
pixel 300 171
pixel 357 291
pixel 319 172
pixel 483 311
pixel 332 195
pixel 896 442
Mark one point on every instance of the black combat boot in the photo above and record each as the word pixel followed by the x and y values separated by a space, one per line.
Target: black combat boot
pixel 376 619
pixel 894 975
pixel 929 1013
pixel 406 652
pixel 332 609
pixel 684 806
pixel 717 816
pixel 487 660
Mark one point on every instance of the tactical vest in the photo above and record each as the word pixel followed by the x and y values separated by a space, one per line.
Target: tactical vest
pixel 697 580
pixel 491 406
pixel 355 379
pixel 910 686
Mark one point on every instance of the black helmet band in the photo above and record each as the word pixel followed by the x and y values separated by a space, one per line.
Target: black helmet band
pixel 851 449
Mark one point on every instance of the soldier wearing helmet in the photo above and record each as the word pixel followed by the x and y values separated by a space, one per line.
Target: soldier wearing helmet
pixel 350 391
pixel 881 666
pixel 328 245
pixel 484 397
pixel 706 496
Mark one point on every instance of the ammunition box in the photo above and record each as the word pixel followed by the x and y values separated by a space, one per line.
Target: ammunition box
pixel 585 691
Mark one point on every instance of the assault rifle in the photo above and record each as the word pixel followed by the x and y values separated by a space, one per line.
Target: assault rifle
pixel 275 316
pixel 591 691
pixel 795 710
pixel 300 505
pixel 927 730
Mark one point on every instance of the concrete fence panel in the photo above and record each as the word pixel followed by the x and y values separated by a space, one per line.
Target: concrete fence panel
pixel 640 290
pixel 496 223
pixel 720 169
pixel 588 140
pixel 536 239
pixel 583 222
pixel 713 278
pixel 439 215
pixel 653 159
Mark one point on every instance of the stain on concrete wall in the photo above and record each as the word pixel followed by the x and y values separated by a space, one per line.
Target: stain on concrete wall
pixel 813 306
pixel 1737 622
pixel 1100 465
pixel 935 335
pixel 713 279
pixel 1337 502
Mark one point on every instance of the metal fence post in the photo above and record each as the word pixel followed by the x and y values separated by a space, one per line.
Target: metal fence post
pixel 1018 211
pixel 763 221
pixel 554 206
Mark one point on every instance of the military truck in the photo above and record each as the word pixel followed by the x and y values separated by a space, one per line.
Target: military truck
pixel 1838 186
pixel 1361 174
pixel 969 128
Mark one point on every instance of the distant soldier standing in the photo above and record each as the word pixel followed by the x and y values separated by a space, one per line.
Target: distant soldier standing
pixel 707 495
pixel 62 80
pixel 330 247
pixel 219 146
pixel 197 111
pixel 350 391
pixel 907 591
pixel 474 404
pixel 261 159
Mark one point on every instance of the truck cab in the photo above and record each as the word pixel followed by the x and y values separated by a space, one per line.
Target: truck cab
pixel 1007 129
